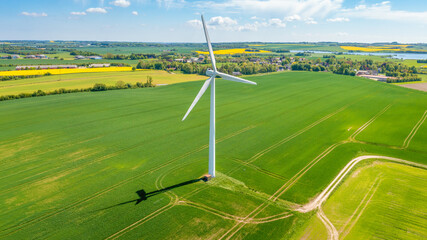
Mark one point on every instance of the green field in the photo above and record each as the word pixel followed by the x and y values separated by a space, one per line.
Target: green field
pixel 71 164
pixel 86 80
pixel 25 62
pixel 375 201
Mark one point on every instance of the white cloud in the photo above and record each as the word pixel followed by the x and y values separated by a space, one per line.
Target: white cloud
pixel 222 22
pixel 254 17
pixel 120 3
pixel 171 3
pixel 195 23
pixel 305 8
pixel 383 11
pixel 294 17
pixel 338 19
pixel 275 22
pixel 96 10
pixel 34 14
pixel 218 22
pixel 78 13
pixel 135 13
pixel 309 21
pixel 229 24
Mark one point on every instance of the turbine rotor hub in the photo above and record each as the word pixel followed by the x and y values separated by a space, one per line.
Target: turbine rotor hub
pixel 210 72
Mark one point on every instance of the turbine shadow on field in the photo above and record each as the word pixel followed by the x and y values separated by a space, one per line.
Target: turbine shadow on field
pixel 144 195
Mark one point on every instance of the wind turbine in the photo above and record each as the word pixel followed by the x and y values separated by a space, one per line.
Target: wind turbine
pixel 212 73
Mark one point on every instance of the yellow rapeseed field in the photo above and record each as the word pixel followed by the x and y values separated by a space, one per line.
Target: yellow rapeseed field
pixel 233 51
pixel 402 46
pixel 368 49
pixel 64 71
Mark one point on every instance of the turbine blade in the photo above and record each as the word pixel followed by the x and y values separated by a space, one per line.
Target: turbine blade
pixel 209 44
pixel 233 78
pixel 199 95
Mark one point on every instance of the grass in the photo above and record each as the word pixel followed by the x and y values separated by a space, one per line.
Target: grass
pixel 64 71
pixel 378 200
pixel 25 62
pixel 71 163
pixel 85 80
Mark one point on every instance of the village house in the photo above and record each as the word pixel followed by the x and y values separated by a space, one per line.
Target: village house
pixel 378 78
pixel 99 65
pixel 95 57
pixel 366 72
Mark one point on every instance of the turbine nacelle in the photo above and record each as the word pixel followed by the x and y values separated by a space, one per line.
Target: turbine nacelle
pixel 210 72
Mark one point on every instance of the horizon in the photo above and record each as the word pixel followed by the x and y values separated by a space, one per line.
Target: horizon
pixel 112 41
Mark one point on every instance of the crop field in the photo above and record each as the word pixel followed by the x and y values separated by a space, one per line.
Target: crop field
pixel 372 202
pixel 64 71
pixel 389 48
pixel 129 50
pixel 122 165
pixel 297 46
pixel 234 51
pixel 25 62
pixel 370 49
pixel 86 80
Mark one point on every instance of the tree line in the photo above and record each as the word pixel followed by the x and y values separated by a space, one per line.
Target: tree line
pixel 246 68
pixel 24 50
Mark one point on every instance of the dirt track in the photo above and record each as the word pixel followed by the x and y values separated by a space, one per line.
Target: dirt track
pixel 323 196
pixel 417 86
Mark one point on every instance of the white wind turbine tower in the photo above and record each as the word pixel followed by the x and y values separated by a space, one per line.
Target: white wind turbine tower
pixel 211 81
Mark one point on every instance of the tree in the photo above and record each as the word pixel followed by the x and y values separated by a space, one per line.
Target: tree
pixel 149 82
pixel 158 66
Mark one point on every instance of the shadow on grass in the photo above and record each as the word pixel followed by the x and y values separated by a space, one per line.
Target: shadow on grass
pixel 144 195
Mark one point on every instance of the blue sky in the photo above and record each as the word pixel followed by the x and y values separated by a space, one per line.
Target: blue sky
pixel 228 20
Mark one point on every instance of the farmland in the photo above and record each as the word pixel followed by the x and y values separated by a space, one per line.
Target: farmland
pixel 373 201
pixel 235 51
pixel 63 71
pixel 72 164
pixel 370 49
pixel 85 80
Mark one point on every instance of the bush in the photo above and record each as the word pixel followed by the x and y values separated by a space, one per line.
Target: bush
pixel 120 85
pixel 99 87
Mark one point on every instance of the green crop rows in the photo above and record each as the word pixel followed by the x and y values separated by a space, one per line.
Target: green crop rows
pixel 71 164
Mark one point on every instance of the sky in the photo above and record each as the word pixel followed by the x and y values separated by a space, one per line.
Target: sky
pixel 403 21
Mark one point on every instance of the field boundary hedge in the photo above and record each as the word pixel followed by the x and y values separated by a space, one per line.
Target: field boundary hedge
pixel 96 88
